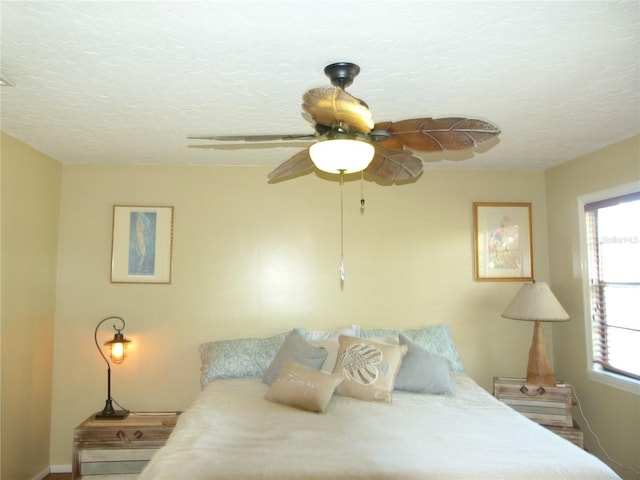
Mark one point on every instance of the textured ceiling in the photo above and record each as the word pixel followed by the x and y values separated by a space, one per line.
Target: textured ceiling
pixel 127 82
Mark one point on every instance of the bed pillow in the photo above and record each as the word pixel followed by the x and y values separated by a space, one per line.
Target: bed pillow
pixel 329 341
pixel 331 345
pixel 422 371
pixel 353 331
pixel 295 348
pixel 369 368
pixel 436 339
pixel 238 358
pixel 301 387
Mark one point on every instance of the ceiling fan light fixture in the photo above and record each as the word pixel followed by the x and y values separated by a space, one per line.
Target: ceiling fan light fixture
pixel 341 155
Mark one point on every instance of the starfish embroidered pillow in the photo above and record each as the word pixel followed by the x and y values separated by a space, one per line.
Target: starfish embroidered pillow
pixel 369 368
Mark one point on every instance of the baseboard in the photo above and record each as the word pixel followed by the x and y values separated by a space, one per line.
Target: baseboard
pixel 42 474
pixel 60 468
pixel 52 469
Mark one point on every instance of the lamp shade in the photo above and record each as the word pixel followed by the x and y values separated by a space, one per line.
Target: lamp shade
pixel 117 347
pixel 536 302
pixel 341 155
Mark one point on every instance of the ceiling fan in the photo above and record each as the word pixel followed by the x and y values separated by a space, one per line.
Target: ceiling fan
pixel 337 115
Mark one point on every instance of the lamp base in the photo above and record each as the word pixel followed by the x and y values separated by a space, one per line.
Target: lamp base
pixel 114 415
pixel 110 413
pixel 539 371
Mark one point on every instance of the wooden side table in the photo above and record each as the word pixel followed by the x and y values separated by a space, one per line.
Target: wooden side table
pixel 119 449
pixel 551 407
pixel 573 433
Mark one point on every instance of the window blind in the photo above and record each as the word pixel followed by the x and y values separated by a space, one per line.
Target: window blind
pixel 614 278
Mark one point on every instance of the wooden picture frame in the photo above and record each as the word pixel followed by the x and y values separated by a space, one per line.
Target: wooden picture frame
pixel 503 241
pixel 141 245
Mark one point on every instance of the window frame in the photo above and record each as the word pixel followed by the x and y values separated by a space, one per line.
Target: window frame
pixel 594 371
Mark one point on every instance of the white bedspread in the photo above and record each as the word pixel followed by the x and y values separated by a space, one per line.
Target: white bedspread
pixel 231 432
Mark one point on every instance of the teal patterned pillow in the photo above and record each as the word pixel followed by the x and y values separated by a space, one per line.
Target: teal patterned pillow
pixel 436 339
pixel 243 357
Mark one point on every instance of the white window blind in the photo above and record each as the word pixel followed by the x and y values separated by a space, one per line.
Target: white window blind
pixel 613 243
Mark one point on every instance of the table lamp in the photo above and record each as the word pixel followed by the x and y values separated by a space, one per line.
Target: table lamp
pixel 117 353
pixel 536 303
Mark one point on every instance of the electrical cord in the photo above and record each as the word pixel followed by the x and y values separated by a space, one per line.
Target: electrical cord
pixel 156 413
pixel 121 407
pixel 590 430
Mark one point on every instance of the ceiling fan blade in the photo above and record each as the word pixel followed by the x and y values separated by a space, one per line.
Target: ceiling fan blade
pixel 300 162
pixel 391 143
pixel 394 165
pixel 256 138
pixel 331 105
pixel 437 134
pixel 252 145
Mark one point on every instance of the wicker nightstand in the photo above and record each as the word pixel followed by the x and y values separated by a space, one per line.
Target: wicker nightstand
pixel 119 448
pixel 551 407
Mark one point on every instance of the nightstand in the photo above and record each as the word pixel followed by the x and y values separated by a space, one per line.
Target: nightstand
pixel 551 407
pixel 119 448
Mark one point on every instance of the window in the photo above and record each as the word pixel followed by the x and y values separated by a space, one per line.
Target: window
pixel 613 249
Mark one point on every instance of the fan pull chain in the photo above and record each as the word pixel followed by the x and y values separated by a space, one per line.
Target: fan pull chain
pixel 342 226
pixel 362 190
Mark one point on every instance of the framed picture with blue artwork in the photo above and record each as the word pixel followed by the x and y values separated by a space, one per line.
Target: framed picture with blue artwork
pixel 503 241
pixel 142 244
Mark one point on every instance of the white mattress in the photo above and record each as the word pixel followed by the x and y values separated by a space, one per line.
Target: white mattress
pixel 231 432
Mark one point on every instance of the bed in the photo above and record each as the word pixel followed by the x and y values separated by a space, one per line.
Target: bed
pixel 260 415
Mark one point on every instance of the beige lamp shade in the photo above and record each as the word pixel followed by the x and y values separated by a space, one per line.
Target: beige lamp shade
pixel 535 302
pixel 341 155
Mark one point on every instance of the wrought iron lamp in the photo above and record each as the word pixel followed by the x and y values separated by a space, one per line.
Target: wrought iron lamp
pixel 535 302
pixel 117 353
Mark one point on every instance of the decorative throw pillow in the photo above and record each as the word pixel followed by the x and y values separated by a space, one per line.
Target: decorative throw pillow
pixel 238 358
pixel 436 339
pixel 295 348
pixel 421 371
pixel 302 387
pixel 369 368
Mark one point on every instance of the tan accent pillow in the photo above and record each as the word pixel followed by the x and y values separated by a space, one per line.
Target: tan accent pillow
pixel 369 368
pixel 302 387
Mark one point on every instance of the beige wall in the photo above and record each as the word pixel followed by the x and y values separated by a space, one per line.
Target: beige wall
pixel 30 205
pixel 614 414
pixel 252 258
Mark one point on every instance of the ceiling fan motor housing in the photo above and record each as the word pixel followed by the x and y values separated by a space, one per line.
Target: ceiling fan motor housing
pixel 342 74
